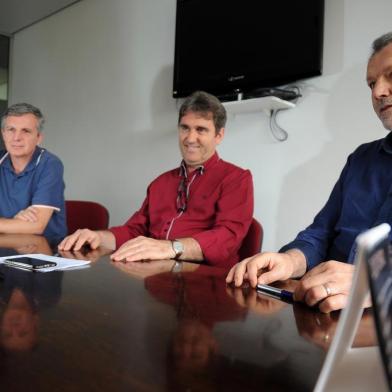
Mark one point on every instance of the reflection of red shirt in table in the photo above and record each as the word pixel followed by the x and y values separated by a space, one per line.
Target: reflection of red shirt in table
pixel 218 213
pixel 200 294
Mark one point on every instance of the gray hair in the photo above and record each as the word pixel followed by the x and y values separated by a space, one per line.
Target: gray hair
pixel 380 43
pixel 204 103
pixel 19 109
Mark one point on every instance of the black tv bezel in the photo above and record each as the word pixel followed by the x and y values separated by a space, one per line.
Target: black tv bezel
pixel 224 90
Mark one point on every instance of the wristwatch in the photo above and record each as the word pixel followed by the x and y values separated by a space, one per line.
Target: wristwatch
pixel 178 248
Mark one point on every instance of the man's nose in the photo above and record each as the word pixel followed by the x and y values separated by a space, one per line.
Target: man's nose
pixel 192 135
pixel 17 135
pixel 382 88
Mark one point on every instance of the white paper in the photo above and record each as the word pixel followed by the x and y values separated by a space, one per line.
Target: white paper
pixel 62 263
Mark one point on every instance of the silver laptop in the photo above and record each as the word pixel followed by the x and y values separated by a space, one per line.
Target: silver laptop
pixel 369 368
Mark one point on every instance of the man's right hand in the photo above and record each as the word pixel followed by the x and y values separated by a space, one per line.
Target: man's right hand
pixel 79 238
pixel 265 268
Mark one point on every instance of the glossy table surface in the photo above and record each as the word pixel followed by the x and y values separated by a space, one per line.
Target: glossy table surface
pixel 141 327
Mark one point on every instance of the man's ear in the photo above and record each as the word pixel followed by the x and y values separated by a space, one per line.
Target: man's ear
pixel 220 135
pixel 40 137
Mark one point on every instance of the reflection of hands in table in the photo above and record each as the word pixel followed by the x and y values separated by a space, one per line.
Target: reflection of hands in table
pixel 366 333
pixel 25 243
pixel 85 254
pixel 144 269
pixel 319 328
pixel 259 303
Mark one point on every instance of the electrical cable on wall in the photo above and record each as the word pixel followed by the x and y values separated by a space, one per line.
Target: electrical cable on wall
pixel 277 131
pixel 290 93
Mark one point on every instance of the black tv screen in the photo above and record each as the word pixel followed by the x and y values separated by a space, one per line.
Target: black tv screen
pixel 231 46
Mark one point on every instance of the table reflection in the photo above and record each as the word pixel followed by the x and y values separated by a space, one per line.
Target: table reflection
pixel 144 269
pixel 258 302
pixel 24 293
pixel 319 328
pixel 316 327
pixel 11 244
pixel 199 298
pixel 142 326
pixel 86 253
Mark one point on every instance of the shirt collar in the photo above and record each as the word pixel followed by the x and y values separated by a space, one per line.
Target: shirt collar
pixel 386 143
pixel 202 168
pixel 34 161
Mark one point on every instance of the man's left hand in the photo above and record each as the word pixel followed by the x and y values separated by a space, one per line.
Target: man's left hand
pixel 327 285
pixel 143 248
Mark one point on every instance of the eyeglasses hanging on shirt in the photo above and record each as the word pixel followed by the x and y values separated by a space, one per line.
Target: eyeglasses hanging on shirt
pixel 184 186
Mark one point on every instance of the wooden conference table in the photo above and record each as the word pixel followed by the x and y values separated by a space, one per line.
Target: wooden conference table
pixel 141 327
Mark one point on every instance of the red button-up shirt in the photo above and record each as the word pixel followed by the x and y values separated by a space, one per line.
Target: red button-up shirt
pixel 218 212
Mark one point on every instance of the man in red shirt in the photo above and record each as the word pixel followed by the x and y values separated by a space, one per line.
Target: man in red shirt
pixel 200 211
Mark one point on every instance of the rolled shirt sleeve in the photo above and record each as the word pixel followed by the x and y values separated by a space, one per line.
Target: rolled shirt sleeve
pixel 234 213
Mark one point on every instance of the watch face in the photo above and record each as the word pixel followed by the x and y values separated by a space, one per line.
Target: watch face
pixel 178 247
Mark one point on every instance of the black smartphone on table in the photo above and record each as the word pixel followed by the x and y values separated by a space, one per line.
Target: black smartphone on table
pixel 29 263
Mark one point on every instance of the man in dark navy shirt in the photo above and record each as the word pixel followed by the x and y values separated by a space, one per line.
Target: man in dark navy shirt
pixel 362 198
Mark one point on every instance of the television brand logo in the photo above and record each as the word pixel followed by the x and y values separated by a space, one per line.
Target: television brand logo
pixel 235 78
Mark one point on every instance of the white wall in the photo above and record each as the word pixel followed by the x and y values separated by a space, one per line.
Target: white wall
pixel 102 72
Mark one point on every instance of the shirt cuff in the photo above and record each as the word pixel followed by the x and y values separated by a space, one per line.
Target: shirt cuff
pixel 213 253
pixel 311 255
pixel 121 235
pixel 45 206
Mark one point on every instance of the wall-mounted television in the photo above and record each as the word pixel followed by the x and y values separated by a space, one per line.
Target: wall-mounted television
pixel 231 46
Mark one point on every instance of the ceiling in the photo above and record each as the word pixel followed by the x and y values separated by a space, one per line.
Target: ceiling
pixel 18 14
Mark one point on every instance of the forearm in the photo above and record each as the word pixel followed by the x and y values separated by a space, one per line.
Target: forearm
pixel 17 226
pixel 298 262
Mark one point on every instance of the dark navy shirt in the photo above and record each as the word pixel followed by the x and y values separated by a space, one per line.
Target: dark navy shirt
pixel 361 199
pixel 40 183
